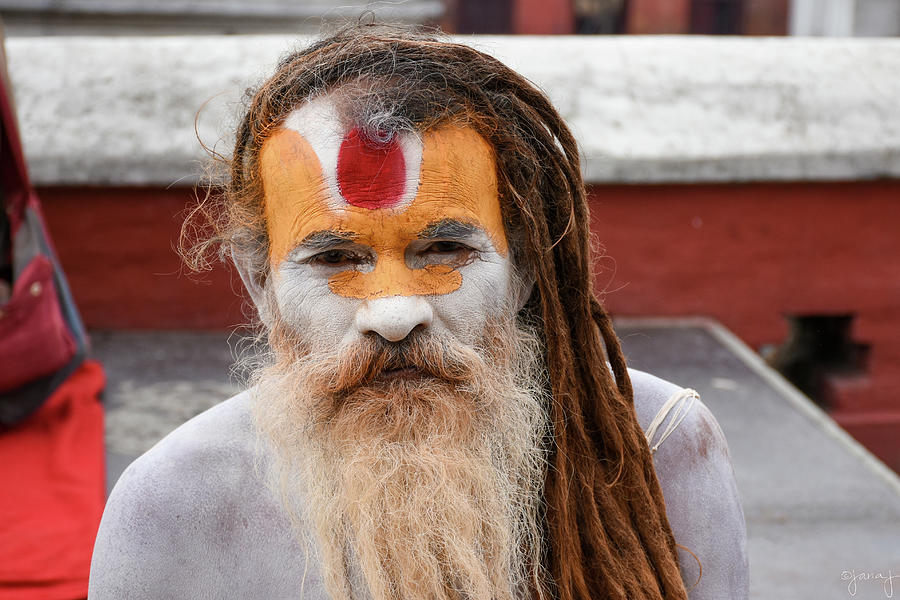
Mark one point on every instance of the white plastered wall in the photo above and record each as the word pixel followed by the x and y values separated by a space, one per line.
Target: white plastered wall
pixel 121 111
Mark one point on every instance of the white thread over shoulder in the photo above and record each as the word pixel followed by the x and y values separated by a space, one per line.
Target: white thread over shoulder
pixel 679 405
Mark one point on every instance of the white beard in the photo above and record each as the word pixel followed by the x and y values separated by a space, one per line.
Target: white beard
pixel 428 488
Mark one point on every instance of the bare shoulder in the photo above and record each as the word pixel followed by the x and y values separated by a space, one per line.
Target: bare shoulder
pixel 219 442
pixel 178 520
pixel 217 446
pixel 694 468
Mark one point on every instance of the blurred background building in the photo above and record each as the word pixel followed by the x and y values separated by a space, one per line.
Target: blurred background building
pixel 536 17
pixel 756 184
pixel 194 17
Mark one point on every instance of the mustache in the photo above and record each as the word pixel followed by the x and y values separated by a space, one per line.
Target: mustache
pixel 371 358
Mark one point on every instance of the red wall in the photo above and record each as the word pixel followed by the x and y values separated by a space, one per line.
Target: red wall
pixel 117 246
pixel 747 255
pixel 750 255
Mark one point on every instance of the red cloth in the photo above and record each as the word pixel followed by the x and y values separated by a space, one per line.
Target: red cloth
pixel 52 469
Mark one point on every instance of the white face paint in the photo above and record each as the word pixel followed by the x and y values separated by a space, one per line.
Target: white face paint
pixel 383 236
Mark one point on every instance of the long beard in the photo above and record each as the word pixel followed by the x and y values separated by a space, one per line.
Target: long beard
pixel 420 464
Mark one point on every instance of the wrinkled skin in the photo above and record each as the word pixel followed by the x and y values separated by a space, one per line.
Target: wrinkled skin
pixel 438 257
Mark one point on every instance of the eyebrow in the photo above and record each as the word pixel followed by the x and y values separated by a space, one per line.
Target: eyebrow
pixel 325 239
pixel 448 228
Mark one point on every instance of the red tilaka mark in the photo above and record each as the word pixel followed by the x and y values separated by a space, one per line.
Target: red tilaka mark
pixel 370 174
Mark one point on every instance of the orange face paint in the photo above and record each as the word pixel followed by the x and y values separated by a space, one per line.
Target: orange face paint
pixel 457 180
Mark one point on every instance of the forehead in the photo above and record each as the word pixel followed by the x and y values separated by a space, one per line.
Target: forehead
pixel 322 173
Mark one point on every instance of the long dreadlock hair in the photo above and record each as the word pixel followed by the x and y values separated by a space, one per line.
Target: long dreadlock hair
pixel 607 535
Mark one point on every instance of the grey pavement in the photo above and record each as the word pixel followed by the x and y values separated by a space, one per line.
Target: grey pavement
pixel 155 382
pixel 823 515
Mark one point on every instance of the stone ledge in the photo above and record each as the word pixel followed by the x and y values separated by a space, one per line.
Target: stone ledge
pixel 121 111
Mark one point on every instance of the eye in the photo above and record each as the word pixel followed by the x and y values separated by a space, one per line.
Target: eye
pixel 443 252
pixel 337 258
pixel 446 247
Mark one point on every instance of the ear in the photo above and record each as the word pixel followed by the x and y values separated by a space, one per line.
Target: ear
pixel 523 293
pixel 250 275
pixel 522 286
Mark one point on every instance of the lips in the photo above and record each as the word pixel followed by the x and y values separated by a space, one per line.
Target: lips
pixel 405 372
pixel 374 362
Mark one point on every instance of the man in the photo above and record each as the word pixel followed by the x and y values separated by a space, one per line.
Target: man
pixel 446 412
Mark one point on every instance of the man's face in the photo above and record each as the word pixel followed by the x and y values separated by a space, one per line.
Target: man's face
pixel 382 236
pixel 420 453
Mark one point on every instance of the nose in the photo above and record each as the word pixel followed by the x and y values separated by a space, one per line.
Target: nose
pixel 393 318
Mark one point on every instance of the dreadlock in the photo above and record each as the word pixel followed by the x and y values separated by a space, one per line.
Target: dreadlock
pixel 607 535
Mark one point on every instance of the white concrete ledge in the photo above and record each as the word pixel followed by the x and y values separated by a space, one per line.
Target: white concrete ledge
pixel 120 111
